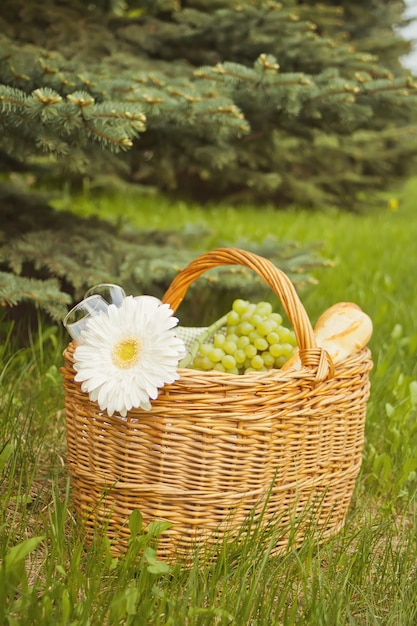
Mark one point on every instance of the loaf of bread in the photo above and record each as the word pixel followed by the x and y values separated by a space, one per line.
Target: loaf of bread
pixel 342 330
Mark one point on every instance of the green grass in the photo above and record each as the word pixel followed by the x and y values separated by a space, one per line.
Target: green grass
pixel 365 575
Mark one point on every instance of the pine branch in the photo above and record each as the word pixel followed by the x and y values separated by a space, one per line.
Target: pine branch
pixel 43 294
pixel 67 254
pixel 113 125
pixel 227 98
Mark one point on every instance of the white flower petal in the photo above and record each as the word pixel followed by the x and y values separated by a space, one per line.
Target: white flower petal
pixel 124 379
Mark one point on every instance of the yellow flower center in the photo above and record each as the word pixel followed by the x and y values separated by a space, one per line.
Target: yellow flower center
pixel 126 352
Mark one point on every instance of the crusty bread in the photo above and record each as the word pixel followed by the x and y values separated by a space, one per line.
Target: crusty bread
pixel 341 330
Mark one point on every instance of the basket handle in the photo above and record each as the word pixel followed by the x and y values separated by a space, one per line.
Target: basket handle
pixel 311 356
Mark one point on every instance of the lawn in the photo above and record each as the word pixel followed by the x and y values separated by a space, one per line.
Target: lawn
pixel 367 574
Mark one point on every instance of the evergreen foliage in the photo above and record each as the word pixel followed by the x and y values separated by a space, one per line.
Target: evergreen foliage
pixel 50 258
pixel 285 102
pixel 290 102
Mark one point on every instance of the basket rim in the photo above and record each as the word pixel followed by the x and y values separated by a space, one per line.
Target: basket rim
pixel 274 374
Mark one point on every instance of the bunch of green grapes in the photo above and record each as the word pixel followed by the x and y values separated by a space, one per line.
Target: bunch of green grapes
pixel 252 340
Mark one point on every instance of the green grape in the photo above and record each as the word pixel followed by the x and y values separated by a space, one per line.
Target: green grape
pixel 256 319
pixel 292 340
pixel 202 363
pixel 263 308
pixel 248 313
pixel 285 335
pixel 233 318
pixel 276 317
pixel 242 342
pixel 240 306
pixel 268 359
pixel 206 349
pixel 275 350
pixel 260 344
pixel 219 340
pixel 216 355
pixel 229 347
pixel 272 338
pixel 287 350
pixel 228 362
pixel 267 326
pixel 257 362
pixel 253 335
pixel 240 356
pixel 244 328
pixel 250 351
pixel 279 361
pixel 253 340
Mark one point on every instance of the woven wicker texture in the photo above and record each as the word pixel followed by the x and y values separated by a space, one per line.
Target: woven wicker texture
pixel 214 446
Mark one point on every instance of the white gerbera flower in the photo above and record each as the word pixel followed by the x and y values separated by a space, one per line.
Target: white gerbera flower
pixel 128 353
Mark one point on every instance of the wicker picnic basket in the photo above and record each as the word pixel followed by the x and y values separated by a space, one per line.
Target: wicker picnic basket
pixel 217 448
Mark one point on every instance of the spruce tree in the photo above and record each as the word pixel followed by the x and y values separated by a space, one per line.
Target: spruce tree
pixel 290 102
pixel 281 102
